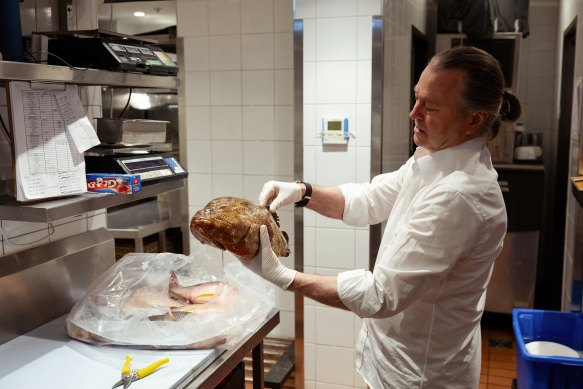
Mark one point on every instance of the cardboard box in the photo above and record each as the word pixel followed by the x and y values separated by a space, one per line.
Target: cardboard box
pixel 114 183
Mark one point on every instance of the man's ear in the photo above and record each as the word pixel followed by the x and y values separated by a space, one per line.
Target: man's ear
pixel 476 120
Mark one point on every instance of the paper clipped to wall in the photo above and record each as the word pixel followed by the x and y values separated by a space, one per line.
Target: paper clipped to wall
pixel 50 132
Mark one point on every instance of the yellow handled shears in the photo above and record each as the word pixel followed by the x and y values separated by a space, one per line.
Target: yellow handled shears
pixel 128 375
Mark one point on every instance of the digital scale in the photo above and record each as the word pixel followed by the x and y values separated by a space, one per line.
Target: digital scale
pixel 151 167
pixel 149 157
pixel 108 50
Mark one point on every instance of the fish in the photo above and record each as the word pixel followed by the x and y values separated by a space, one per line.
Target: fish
pixel 173 304
pixel 179 300
pixel 195 294
pixel 147 299
pixel 232 224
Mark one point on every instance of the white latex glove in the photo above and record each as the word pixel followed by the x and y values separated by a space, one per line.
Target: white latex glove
pixel 276 194
pixel 267 265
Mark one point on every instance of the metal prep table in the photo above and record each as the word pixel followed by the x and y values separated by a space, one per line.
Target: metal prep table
pixel 38 287
pixel 225 362
pixel 46 357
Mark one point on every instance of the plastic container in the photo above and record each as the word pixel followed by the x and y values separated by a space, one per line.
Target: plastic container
pixel 538 372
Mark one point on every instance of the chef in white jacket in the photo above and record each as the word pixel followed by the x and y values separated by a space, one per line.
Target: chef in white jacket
pixel 445 223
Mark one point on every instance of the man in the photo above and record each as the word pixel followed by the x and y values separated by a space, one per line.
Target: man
pixel 445 223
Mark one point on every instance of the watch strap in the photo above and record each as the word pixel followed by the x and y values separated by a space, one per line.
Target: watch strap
pixel 307 196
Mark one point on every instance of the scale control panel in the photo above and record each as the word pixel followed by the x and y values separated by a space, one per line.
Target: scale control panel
pixel 139 55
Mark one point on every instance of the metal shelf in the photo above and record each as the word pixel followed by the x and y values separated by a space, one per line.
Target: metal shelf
pixel 520 166
pixel 24 71
pixel 139 221
pixel 48 211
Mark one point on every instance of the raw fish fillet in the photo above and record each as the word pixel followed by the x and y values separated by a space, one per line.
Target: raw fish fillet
pixel 232 223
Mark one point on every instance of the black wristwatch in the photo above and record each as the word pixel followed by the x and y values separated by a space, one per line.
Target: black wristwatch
pixel 307 196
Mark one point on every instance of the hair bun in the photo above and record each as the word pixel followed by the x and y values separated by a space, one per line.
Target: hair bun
pixel 510 108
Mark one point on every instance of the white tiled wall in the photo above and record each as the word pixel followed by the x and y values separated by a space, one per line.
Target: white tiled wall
pixel 538 72
pixel 36 16
pixel 538 81
pixel 238 63
pixel 337 82
pixel 337 60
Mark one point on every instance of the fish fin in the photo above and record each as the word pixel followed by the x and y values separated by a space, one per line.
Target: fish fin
pixel 173 280
pixel 275 217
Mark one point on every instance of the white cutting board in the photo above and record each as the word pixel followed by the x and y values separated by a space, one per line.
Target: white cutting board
pixel 47 358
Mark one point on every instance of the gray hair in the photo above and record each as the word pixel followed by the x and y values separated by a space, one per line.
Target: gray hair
pixel 484 87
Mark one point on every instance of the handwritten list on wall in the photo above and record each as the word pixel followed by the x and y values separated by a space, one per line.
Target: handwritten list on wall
pixel 50 134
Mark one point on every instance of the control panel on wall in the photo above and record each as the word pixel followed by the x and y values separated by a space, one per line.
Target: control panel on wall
pixel 335 131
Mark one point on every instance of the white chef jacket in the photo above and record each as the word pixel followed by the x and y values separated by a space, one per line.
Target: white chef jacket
pixel 423 302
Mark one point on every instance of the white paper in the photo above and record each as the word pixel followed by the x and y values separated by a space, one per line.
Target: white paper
pixel 47 161
pixel 78 124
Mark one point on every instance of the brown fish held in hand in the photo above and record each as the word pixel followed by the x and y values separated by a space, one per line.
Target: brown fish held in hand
pixel 232 223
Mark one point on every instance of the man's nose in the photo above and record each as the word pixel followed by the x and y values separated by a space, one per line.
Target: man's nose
pixel 415 112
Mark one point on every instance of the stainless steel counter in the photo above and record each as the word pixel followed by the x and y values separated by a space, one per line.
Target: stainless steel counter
pixel 50 210
pixel 39 286
pixel 47 358
pixel 221 366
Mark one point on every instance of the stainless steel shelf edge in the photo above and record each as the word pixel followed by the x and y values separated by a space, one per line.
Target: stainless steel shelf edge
pixel 24 71
pixel 519 166
pixel 213 374
pixel 48 211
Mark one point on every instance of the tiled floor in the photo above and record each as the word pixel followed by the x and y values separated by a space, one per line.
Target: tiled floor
pixel 498 355
pixel 498 359
pixel 498 352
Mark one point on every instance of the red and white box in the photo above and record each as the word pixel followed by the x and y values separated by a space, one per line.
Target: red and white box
pixel 114 183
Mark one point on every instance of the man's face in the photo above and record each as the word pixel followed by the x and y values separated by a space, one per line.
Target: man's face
pixel 439 120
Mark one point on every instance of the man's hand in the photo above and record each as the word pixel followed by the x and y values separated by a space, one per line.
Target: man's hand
pixel 267 265
pixel 276 194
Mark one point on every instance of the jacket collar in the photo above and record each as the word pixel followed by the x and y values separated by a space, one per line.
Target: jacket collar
pixel 433 166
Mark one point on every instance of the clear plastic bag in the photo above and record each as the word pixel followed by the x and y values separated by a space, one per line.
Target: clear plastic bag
pixel 140 302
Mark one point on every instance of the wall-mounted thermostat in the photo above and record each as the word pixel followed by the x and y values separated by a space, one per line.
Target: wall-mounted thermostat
pixel 335 131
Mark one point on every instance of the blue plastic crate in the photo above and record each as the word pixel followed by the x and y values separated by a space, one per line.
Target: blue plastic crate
pixel 538 372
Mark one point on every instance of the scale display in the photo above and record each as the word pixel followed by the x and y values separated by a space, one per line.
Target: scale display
pixel 151 168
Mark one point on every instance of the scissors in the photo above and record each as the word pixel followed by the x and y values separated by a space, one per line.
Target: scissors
pixel 128 375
